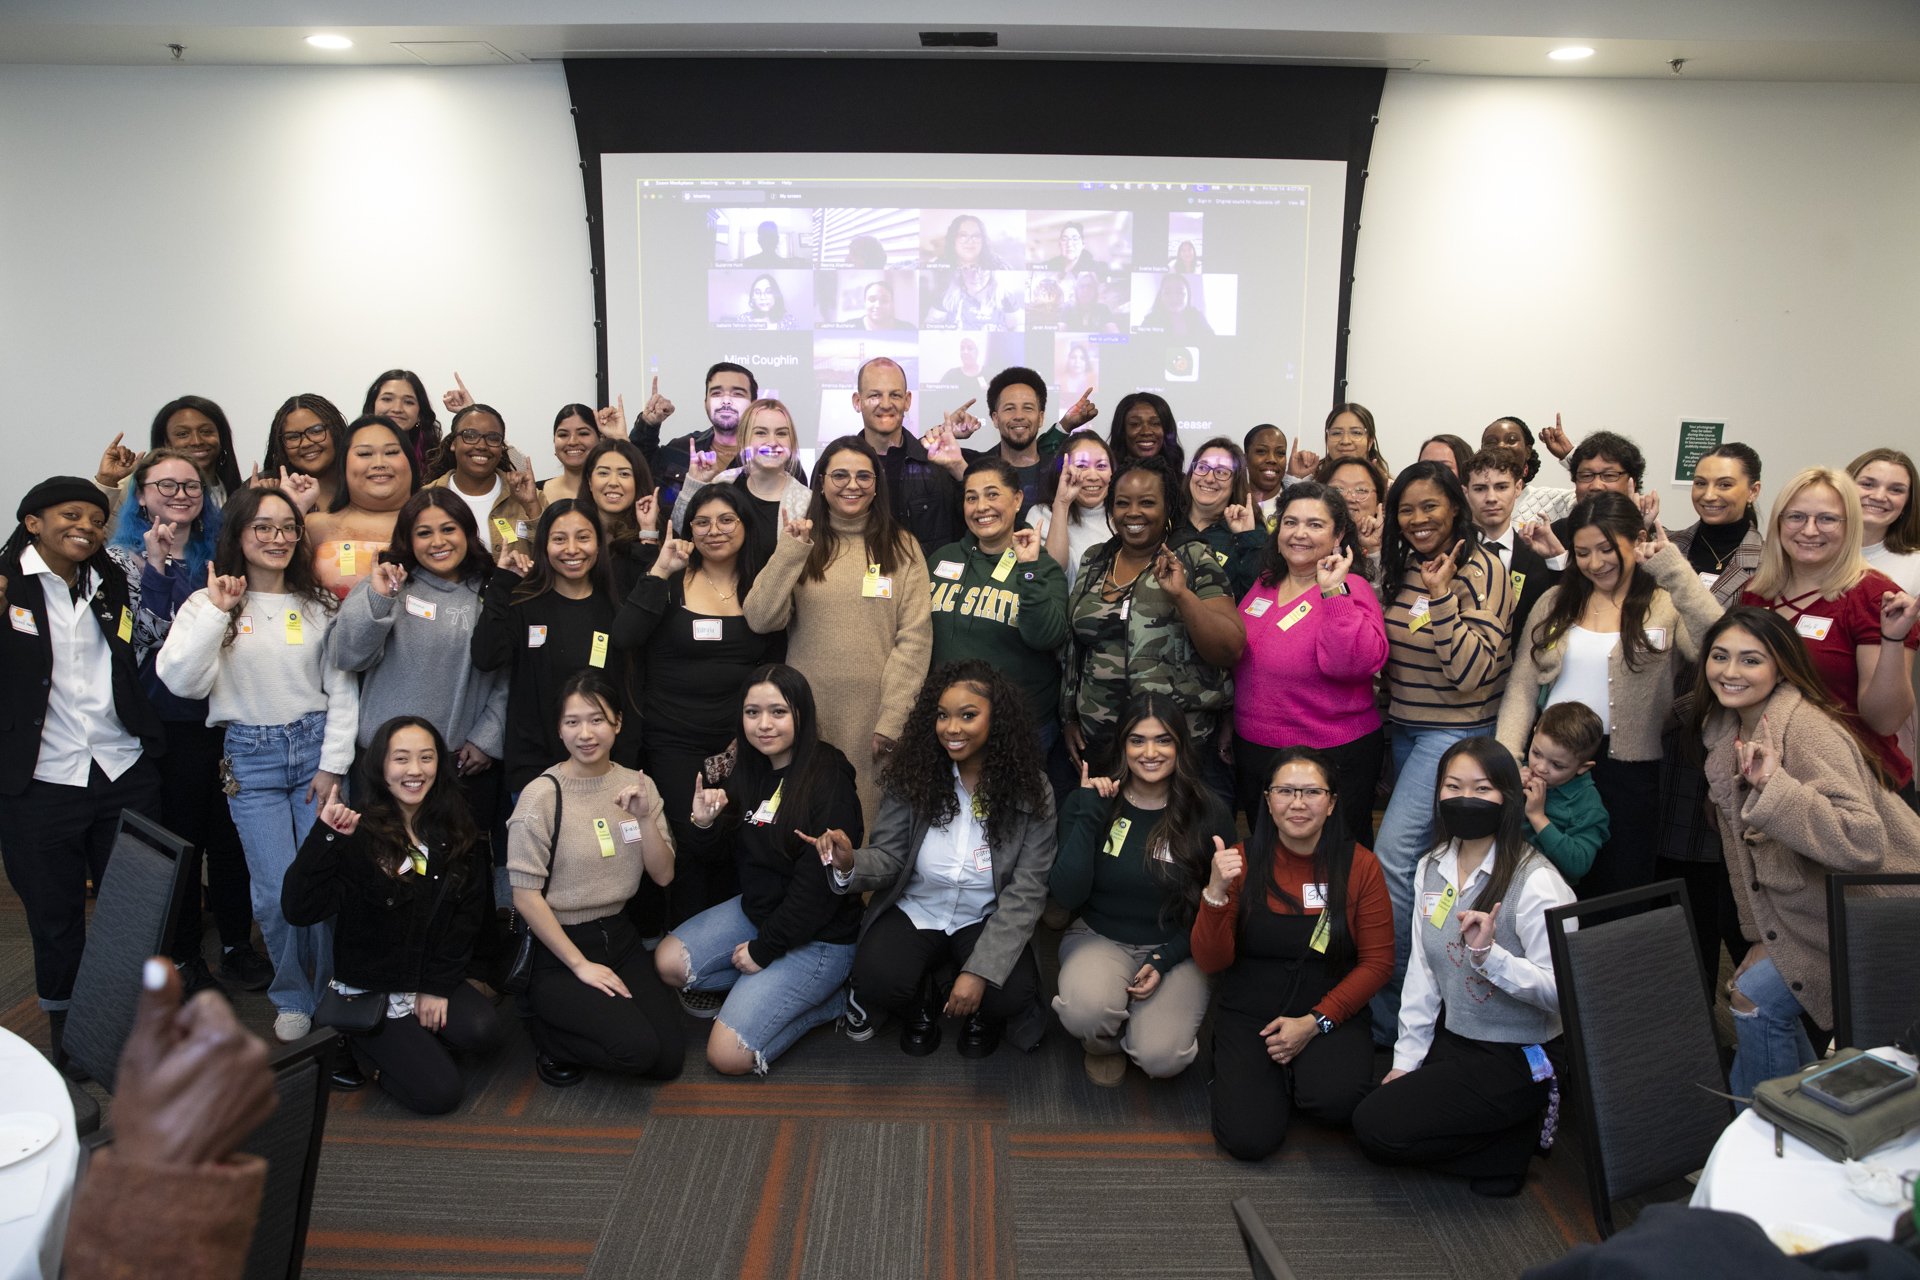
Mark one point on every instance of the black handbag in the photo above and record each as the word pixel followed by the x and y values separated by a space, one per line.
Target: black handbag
pixel 365 1012
pixel 519 974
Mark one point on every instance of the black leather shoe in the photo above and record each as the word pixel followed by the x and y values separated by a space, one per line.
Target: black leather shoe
pixel 920 1032
pixel 348 1077
pixel 561 1075
pixel 979 1037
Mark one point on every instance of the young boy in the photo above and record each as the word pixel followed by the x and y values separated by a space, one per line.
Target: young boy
pixel 1569 821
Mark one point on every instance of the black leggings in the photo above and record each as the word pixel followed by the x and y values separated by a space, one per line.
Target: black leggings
pixel 1472 1109
pixel 414 1063
pixel 193 807
pixel 1254 1097
pixel 894 958
pixel 574 1022
pixel 698 883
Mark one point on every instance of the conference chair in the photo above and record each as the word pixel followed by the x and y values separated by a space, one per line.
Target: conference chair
pixel 1645 1064
pixel 1873 945
pixel 1263 1255
pixel 289 1140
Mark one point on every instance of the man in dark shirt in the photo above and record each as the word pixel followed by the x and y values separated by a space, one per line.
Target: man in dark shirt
pixel 730 389
pixel 923 492
pixel 1017 403
pixel 769 255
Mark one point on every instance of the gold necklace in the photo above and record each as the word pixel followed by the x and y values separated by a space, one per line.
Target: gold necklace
pixel 724 595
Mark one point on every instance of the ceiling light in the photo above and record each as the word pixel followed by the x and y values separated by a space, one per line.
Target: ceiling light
pixel 1572 53
pixel 341 42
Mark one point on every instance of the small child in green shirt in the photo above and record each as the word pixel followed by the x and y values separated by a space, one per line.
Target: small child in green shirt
pixel 1569 820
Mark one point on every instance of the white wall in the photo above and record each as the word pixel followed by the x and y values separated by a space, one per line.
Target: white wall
pixel 1628 252
pixel 249 233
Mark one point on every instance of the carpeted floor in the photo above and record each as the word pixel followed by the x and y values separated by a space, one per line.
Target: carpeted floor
pixel 856 1161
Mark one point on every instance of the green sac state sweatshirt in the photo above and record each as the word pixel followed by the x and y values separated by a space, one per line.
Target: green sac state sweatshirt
pixel 1015 621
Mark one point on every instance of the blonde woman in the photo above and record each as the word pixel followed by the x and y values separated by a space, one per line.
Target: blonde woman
pixel 769 471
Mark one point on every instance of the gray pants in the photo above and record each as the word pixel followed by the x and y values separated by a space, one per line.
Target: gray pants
pixel 1160 1033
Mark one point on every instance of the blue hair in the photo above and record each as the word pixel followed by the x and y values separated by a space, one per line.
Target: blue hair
pixel 131 525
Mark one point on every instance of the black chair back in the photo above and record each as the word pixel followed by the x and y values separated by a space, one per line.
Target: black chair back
pixel 1873 946
pixel 290 1142
pixel 1640 1042
pixel 132 920
pixel 1263 1255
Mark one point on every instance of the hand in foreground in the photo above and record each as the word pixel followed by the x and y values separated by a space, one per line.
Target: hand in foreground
pixel 1239 518
pixel 1286 1037
pixel 612 420
pixel 1331 572
pixel 1393 1075
pixel 1106 788
pixel 1026 545
pixel 1898 610
pixel 708 802
pixel 224 590
pixel 1538 534
pixel 515 561
pixel 743 959
pixel 1757 757
pixel 323 782
pixel 472 760
pixel 1536 790
pixel 1170 573
pixel 959 422
pixel 1476 930
pixel 601 979
pixel 337 815
pixel 633 800
pixel 965 997
pixel 1144 983
pixel 455 401
pixel 1556 440
pixel 431 1010
pixel 1652 545
pixel 1080 413
pixel 162 540
pixel 1437 574
pixel 800 530
pixel 834 847
pixel 656 410
pixel 300 489
pixel 1301 463
pixel 386 579
pixel 1228 865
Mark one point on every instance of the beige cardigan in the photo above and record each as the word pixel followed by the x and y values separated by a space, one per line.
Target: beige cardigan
pixel 1822 811
pixel 1639 702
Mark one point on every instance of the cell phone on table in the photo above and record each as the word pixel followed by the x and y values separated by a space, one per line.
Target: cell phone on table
pixel 1857 1083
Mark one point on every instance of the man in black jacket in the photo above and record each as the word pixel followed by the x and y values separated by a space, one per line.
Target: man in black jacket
pixel 77 734
pixel 729 390
pixel 1493 487
pixel 923 491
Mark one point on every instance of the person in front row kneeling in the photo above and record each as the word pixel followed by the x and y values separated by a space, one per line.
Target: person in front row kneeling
pixel 958 866
pixel 1301 960
pixel 1133 857
pixel 406 889
pixel 1479 1056
pixel 577 843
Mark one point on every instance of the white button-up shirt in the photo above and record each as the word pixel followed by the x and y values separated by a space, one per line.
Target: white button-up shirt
pixel 952 882
pixel 81 724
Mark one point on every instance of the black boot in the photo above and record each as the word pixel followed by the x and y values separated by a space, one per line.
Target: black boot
pixel 920 1030
pixel 558 1074
pixel 979 1036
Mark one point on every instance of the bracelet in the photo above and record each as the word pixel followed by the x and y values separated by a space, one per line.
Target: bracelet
pixel 649 535
pixel 1887 639
pixel 1210 900
pixel 1480 951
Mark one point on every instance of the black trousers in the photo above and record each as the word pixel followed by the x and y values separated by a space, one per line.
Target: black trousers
pixel 574 1022
pixel 1356 771
pixel 193 807
pixel 416 1065
pixel 1631 791
pixel 1472 1109
pixel 1255 1097
pixel 698 883
pixel 894 958
pixel 1716 917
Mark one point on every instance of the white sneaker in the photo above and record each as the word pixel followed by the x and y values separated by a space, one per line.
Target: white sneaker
pixel 291 1026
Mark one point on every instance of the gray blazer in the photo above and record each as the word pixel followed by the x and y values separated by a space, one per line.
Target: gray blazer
pixel 1020 868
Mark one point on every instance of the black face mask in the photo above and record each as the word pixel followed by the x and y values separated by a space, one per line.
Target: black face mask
pixel 1470 819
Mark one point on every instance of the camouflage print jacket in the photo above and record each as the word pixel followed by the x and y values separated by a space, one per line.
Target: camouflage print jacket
pixel 1149 652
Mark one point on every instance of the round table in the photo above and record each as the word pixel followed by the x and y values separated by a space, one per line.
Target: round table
pixel 1800 1185
pixel 30 1245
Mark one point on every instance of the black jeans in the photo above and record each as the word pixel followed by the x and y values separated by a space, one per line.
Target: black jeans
pixel 1471 1109
pixel 894 958
pixel 53 839
pixel 578 1023
pixel 193 807
pixel 1356 772
pixel 698 883
pixel 1716 917
pixel 1254 1097
pixel 415 1064
pixel 1631 791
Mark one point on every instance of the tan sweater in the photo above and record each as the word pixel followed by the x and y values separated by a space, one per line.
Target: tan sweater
pixel 1821 811
pixel 865 657
pixel 583 884
pixel 1640 701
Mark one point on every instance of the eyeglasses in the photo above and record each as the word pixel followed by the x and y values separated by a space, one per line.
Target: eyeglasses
pixel 316 433
pixel 492 439
pixel 1346 433
pixel 974 236
pixel 1825 522
pixel 1215 472
pixel 168 488
pixel 1289 794
pixel 264 532
pixel 724 523
pixel 850 479
pixel 1612 475
pixel 1358 492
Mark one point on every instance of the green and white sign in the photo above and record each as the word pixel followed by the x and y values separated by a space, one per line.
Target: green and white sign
pixel 1698 438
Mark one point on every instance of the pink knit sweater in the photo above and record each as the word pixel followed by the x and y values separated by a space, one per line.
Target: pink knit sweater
pixel 1312 683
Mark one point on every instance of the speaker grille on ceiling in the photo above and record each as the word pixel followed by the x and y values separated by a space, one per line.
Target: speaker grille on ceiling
pixel 959 39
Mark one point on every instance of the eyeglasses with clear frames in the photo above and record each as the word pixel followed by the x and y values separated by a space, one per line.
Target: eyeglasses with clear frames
pixel 1287 795
pixel 1612 475
pixel 851 479
pixel 1825 521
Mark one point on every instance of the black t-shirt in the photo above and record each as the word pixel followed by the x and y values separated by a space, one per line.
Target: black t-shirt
pixel 694 664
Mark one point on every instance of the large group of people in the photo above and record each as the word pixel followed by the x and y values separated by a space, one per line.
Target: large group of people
pixel 431 722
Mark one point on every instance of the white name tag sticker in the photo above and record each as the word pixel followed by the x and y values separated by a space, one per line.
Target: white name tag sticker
pixel 1258 608
pixel 883 588
pixel 1708 577
pixel 420 608
pixel 630 830
pixel 246 625
pixel 706 628
pixel 23 620
pixel 536 636
pixel 1420 605
pixel 1313 896
pixel 1428 901
pixel 1657 639
pixel 947 569
pixel 1813 628
pixel 982 858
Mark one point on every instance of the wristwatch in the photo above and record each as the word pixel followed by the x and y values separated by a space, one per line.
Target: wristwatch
pixel 1323 1022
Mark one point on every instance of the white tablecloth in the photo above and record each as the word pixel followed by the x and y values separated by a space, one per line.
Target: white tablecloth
pixel 30 1246
pixel 1801 1185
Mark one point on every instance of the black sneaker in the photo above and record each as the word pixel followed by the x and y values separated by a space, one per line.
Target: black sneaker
pixel 702 1004
pixel 195 977
pixel 856 1022
pixel 247 969
pixel 561 1075
pixel 347 1077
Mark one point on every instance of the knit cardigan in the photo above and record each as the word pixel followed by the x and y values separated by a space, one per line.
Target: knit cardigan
pixel 1822 811
pixel 1639 701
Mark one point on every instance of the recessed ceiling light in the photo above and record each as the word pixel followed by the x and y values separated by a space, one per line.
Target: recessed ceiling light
pixel 341 42
pixel 1572 53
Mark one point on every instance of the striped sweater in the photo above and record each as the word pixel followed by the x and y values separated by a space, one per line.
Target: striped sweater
pixel 1451 670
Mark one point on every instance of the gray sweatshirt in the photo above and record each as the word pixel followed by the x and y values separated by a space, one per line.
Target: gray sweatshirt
pixel 416 650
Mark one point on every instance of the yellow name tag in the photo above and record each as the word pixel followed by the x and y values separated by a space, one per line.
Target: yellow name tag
pixel 1117 836
pixel 604 834
pixel 980 808
pixel 1519 582
pixel 1421 613
pixel 419 863
pixel 126 623
pixel 1300 611
pixel 875 587
pixel 1442 909
pixel 294 635
pixel 346 558
pixel 504 528
pixel 1005 567
pixel 1322 933
pixel 598 658
pixel 1221 556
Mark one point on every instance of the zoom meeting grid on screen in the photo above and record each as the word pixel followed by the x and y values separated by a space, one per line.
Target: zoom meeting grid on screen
pixel 1211 282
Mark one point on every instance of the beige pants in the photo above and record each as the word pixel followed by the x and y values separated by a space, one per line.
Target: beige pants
pixel 1159 1033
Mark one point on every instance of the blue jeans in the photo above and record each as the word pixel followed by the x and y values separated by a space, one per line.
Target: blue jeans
pixel 1772 1041
pixel 768 1010
pixel 1406 834
pixel 274 764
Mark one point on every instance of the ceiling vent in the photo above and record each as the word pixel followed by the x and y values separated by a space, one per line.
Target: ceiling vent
pixel 959 39
pixel 453 53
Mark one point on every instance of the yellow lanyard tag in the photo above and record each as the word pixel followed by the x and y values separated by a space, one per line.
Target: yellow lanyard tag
pixel 1005 567
pixel 1442 909
pixel 769 807
pixel 604 835
pixel 503 529
pixel 598 658
pixel 1300 611
pixel 1322 932
pixel 126 623
pixel 1221 557
pixel 346 559
pixel 1519 581
pixel 420 860
pixel 875 587
pixel 294 635
pixel 979 808
pixel 1117 836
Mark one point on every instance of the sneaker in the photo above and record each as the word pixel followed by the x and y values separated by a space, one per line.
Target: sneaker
pixel 247 969
pixel 856 1022
pixel 557 1074
pixel 195 977
pixel 1106 1069
pixel 702 1004
pixel 290 1026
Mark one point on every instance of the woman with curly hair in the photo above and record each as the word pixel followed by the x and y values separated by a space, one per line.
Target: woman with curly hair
pixel 1134 852
pixel 957 865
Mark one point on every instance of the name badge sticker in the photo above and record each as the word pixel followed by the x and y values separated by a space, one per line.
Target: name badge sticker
pixel 1420 612
pixel 982 858
pixel 294 633
pixel 1313 896
pixel 126 623
pixel 1117 836
pixel 604 834
pixel 1427 902
pixel 1442 908
pixel 630 830
pixel 246 625
pixel 947 569
pixel 23 620
pixel 1300 611
pixel 707 628
pixel 1813 628
pixel 503 527
pixel 536 636
pixel 1258 609
pixel 346 559
pixel 1322 933
pixel 598 658
pixel 1708 577
pixel 1657 639
pixel 420 608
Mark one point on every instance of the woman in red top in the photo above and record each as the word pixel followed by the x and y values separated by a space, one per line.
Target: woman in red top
pixel 1302 959
pixel 1857 624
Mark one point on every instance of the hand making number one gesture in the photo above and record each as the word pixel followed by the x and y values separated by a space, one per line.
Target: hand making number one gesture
pixel 835 849
pixel 1437 574
pixel 1081 412
pixel 337 815
pixel 1106 788
pixel 224 591
pixel 1301 462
